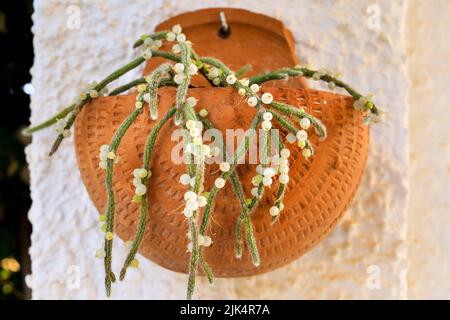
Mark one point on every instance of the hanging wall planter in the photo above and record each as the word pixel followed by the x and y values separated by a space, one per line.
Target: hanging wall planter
pixel 241 219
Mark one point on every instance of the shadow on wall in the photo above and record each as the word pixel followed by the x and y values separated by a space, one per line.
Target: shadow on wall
pixel 16 58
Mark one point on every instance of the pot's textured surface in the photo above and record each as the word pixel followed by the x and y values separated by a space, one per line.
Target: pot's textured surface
pixel 319 191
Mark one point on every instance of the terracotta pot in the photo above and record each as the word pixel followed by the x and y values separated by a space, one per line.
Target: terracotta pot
pixel 320 189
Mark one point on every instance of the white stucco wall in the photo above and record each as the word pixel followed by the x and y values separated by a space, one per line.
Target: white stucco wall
pixel 330 34
pixel 428 49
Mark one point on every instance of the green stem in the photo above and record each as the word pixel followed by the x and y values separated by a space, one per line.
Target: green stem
pixel 281 189
pixel 184 85
pixel 189 114
pixel 110 211
pixel 154 83
pixel 113 76
pixel 225 175
pixel 300 113
pixel 144 206
pixel 237 186
pixel 290 127
pixel 160 35
pixel 47 123
pixel 309 73
pixel 243 70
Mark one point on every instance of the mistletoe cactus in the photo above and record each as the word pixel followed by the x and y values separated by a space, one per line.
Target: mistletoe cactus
pixel 183 63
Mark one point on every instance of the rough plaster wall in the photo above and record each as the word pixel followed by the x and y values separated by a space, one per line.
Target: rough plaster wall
pixel 329 33
pixel 428 48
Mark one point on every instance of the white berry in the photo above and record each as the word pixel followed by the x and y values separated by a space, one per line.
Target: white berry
pixel 181 37
pixel 306 152
pixel 191 101
pixel 178 68
pixel 171 36
pixel 178 78
pixel 224 167
pixel 305 123
pixel 267 116
pixel 201 201
pixel 267 181
pixel 252 101
pixel 206 241
pixel 193 69
pixel 219 183
pixel 190 195
pixel 141 189
pixel 302 135
pixel 266 125
pixel 231 79
pixel 177 29
pixel 254 87
pixel 213 73
pixel 274 211
pixel 188 213
pixel 267 98
pixel 284 178
pixel 285 153
pixel 245 82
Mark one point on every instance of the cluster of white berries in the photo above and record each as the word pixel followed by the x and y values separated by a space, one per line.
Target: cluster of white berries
pixel 214 75
pixel 196 147
pixel 282 164
pixel 140 188
pixel 301 137
pixel 193 203
pixel 149 45
pixel 176 34
pixel 88 90
pixel 202 240
pixel 105 155
pixel 266 98
pixel 178 68
pixel 283 168
pixel 100 253
pixel 363 103
pixel 142 96
pixel 195 127
pixel 319 74
pixel 224 167
pixel 60 126
pixel 266 125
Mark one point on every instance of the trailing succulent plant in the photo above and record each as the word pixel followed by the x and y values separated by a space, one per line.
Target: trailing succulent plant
pixel 183 64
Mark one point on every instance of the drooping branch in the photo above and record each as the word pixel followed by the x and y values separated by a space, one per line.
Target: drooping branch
pixel 362 102
pixel 240 152
pixel 148 151
pixel 237 186
pixel 110 208
pixel 87 97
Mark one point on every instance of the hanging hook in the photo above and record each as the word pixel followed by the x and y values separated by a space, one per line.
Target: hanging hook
pixel 224 31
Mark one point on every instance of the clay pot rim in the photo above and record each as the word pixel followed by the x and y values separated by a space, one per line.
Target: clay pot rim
pixel 211 15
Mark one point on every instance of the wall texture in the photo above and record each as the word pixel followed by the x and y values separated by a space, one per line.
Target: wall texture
pixel 372 237
pixel 428 49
